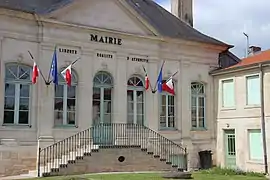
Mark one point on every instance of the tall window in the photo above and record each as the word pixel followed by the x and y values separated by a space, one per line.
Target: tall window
pixel 102 98
pixel 253 90
pixel 197 105
pixel 17 94
pixel 228 99
pixel 65 102
pixel 255 144
pixel 135 101
pixel 167 110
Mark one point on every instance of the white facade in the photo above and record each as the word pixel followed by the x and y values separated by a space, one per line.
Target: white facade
pixel 239 118
pixel 70 28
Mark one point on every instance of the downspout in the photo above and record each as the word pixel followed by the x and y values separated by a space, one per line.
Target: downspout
pixel 263 118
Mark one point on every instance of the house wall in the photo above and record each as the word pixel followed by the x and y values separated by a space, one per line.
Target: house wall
pixel 19 32
pixel 241 118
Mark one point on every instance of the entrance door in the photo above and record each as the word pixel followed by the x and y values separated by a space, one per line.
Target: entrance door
pixel 102 105
pixel 230 153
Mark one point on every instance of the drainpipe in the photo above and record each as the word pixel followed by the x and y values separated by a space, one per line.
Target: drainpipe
pixel 263 118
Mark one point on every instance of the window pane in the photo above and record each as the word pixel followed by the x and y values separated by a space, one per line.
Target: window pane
pixel 96 93
pixel 23 117
pixel 130 119
pixel 71 104
pixel 130 107
pixel 193 101
pixel 59 91
pixel 201 122
pixel 140 108
pixel 107 94
pixel 253 90
pixel 201 112
pixel 9 103
pixel 8 117
pixel 163 100
pixel 11 72
pixel 71 92
pixel 201 101
pixel 24 103
pixel 139 96
pixel 58 104
pixel 140 119
pixel 162 121
pixel 171 122
pixel 194 122
pixel 228 93
pixel 24 72
pixel 96 118
pixel 171 111
pixel 107 118
pixel 24 90
pixel 58 118
pixel 255 144
pixel 9 90
pixel 163 111
pixel 107 106
pixel 71 118
pixel 170 100
pixel 130 95
pixel 96 106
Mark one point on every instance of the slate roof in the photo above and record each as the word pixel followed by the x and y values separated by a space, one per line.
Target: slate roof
pixel 163 21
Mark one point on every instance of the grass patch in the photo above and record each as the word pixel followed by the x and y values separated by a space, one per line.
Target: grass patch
pixel 203 175
pixel 227 171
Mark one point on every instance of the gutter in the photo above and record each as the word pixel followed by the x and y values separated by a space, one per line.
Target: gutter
pixel 263 118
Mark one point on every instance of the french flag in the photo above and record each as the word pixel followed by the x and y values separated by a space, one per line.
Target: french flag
pixel 35 73
pixel 168 86
pixel 66 73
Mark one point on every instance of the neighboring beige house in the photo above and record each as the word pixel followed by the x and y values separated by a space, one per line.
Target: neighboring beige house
pixel 239 112
pixel 113 39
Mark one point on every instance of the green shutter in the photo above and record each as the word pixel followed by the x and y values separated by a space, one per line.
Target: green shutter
pixel 255 144
pixel 253 90
pixel 228 93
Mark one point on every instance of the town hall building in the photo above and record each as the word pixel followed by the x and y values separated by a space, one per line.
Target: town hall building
pixel 112 40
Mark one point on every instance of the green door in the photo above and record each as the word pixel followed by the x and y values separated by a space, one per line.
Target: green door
pixel 102 105
pixel 230 154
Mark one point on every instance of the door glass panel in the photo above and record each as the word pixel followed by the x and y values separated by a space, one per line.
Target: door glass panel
pixel 107 94
pixel 139 96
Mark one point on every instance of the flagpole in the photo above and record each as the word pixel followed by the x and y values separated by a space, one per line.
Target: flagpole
pixel 148 77
pixel 32 58
pixel 172 76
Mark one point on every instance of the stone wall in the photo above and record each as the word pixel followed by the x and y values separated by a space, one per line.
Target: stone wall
pixel 106 160
pixel 17 159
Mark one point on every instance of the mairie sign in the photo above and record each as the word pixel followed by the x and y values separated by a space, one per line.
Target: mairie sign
pixel 105 39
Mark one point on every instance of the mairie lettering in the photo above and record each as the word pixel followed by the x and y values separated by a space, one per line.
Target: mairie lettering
pixel 105 39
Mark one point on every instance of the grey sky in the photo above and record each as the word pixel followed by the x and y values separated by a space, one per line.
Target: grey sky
pixel 226 20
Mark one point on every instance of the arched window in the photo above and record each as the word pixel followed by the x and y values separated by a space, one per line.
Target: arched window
pixel 197 105
pixel 167 110
pixel 102 98
pixel 65 101
pixel 135 101
pixel 17 94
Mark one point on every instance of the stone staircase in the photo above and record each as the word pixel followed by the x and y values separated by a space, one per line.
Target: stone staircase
pixel 111 148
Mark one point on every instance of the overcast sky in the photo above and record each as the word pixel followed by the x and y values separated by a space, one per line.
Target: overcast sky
pixel 226 20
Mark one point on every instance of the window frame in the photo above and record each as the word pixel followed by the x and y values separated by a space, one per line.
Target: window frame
pixel 137 89
pixel 17 83
pixel 166 116
pixel 101 88
pixel 198 96
pixel 65 98
pixel 246 89
pixel 233 107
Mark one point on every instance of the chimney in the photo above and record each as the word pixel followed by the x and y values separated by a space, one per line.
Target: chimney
pixel 183 9
pixel 254 50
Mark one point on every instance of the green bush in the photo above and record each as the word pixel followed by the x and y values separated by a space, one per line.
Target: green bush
pixel 228 171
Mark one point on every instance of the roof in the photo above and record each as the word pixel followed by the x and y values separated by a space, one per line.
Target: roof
pixel 163 21
pixel 250 61
pixel 262 56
